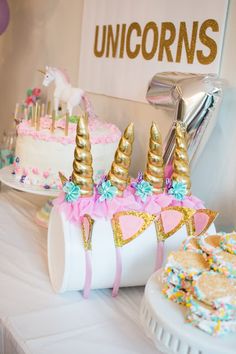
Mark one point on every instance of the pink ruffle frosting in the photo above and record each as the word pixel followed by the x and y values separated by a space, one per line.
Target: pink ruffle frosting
pixel 110 133
pixel 106 209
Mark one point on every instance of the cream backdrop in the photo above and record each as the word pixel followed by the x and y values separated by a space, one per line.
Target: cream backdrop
pixel 48 32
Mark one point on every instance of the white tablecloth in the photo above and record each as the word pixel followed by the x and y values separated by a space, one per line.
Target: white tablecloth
pixel 33 319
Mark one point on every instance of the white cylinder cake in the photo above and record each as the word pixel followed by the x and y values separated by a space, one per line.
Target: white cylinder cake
pixel 41 154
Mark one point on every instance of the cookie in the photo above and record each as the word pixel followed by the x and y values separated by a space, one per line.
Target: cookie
pixel 228 243
pixel 223 262
pixel 175 294
pixel 191 244
pixel 212 327
pixel 215 289
pixel 209 243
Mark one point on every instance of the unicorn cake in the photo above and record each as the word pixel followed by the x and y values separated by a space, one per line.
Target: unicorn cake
pixel 45 142
pixel 125 208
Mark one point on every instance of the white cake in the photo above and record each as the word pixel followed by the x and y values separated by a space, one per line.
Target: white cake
pixel 41 154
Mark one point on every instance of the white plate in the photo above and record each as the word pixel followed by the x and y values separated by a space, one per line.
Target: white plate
pixel 164 322
pixel 8 178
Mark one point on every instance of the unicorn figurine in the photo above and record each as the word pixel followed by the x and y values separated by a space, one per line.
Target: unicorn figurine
pixel 65 92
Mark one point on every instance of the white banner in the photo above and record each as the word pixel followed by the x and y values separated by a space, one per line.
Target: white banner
pixel 125 42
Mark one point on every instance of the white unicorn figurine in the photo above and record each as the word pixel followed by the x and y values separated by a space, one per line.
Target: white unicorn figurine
pixel 72 96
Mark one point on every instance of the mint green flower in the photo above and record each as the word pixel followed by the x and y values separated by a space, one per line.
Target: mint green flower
pixel 72 192
pixel 143 189
pixel 106 191
pixel 178 190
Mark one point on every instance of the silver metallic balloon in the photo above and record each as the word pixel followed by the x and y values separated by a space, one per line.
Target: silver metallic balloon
pixel 195 99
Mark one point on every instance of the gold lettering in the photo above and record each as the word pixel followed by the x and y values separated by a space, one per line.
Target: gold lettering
pixel 112 40
pixel 99 53
pixel 133 53
pixel 183 38
pixel 122 41
pixel 165 43
pixel 208 42
pixel 149 26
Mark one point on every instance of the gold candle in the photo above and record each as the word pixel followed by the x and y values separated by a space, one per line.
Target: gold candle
pixel 16 111
pixel 181 171
pixel 38 118
pixel 53 121
pixel 32 115
pixel 82 174
pixel 42 110
pixel 67 124
pixel 154 173
pixel 49 108
pixel 119 172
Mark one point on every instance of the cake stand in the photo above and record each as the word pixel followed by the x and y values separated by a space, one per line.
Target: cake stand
pixel 42 215
pixel 164 322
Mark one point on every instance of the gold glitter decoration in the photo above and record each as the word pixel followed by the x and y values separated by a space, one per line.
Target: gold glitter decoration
pixel 117 231
pixel 187 213
pixel 62 178
pixel 154 173
pixel 191 228
pixel 208 42
pixel 181 172
pixel 119 172
pixel 183 39
pixel 87 240
pixel 82 174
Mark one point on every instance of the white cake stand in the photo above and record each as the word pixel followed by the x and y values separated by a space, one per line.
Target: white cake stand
pixel 164 322
pixel 42 215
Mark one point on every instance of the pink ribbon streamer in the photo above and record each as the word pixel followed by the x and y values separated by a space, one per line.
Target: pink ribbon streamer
pixel 160 255
pixel 88 274
pixel 118 272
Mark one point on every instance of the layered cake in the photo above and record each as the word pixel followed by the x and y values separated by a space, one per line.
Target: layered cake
pixel 44 147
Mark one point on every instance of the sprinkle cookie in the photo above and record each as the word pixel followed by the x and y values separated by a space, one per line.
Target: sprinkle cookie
pixel 228 243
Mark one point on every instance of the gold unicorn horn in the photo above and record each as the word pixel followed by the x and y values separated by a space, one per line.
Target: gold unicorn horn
pixel 181 171
pixel 62 178
pixel 119 172
pixel 42 71
pixel 154 173
pixel 82 174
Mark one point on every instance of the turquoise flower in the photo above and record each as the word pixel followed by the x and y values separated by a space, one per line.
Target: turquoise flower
pixel 72 192
pixel 178 190
pixel 106 191
pixel 143 189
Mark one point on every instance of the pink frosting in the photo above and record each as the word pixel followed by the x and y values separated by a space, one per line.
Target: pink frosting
pixel 111 133
pixel 106 209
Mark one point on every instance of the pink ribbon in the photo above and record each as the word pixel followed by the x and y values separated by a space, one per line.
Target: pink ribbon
pixel 88 274
pixel 118 272
pixel 160 255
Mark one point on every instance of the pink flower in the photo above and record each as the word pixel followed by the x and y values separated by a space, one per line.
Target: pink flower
pixel 35 170
pixel 29 100
pixel 46 174
pixel 36 91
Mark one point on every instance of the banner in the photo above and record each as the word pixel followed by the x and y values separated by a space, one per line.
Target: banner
pixel 125 42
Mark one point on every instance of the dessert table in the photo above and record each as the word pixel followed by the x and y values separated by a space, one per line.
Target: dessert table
pixel 35 320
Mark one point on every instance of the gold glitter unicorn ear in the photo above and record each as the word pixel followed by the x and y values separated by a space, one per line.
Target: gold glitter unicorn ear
pixel 62 178
pixel 181 171
pixel 154 173
pixel 119 172
pixel 82 174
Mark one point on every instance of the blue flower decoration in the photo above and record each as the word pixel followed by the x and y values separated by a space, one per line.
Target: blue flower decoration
pixel 72 192
pixel 143 189
pixel 178 190
pixel 106 191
